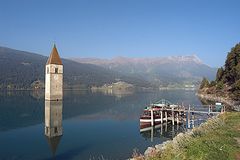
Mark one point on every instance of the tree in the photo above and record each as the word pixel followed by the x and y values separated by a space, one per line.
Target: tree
pixel 213 83
pixel 236 90
pixel 204 83
pixel 231 63
pixel 220 85
pixel 219 75
pixel 238 72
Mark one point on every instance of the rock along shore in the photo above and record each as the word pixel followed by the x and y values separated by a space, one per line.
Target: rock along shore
pixel 180 141
pixel 212 97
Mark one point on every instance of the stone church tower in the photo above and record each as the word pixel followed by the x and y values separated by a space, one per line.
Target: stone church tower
pixel 54 77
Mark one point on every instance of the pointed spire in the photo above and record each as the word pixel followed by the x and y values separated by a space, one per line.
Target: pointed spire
pixel 53 143
pixel 54 57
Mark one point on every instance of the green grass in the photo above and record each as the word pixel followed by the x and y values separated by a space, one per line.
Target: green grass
pixel 215 140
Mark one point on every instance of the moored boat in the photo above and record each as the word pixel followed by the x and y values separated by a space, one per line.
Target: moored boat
pixel 157 113
pixel 152 114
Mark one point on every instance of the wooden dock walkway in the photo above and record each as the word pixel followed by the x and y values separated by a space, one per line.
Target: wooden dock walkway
pixel 179 113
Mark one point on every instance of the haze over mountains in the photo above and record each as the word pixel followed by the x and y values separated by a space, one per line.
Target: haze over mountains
pixel 24 70
pixel 160 71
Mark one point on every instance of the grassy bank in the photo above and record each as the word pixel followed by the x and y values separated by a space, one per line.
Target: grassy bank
pixel 218 138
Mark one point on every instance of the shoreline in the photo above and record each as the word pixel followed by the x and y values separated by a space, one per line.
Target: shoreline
pixel 159 149
pixel 178 142
pixel 210 140
pixel 212 97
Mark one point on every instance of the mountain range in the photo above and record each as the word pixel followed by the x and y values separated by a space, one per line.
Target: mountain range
pixel 20 70
pixel 160 71
pixel 25 70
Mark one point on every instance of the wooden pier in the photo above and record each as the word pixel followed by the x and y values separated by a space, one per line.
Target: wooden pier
pixel 177 114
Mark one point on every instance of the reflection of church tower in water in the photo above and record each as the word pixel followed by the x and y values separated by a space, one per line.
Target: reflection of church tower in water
pixel 53 99
pixel 53 123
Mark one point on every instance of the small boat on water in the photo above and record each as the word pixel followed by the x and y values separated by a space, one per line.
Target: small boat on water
pixel 152 114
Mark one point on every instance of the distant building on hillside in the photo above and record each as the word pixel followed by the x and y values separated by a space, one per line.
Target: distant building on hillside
pixel 54 77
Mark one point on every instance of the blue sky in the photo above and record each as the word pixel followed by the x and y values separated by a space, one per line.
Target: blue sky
pixel 132 28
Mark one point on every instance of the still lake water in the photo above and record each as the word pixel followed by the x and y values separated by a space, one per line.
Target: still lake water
pixel 94 125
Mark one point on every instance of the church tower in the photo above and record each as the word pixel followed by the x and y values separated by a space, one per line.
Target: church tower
pixel 54 77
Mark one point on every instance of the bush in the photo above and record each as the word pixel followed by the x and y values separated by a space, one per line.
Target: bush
pixel 213 83
pixel 220 85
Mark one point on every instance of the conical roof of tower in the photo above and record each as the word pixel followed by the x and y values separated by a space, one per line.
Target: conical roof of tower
pixel 53 143
pixel 54 57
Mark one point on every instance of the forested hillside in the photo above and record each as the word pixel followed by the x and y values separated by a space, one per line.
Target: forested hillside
pixel 227 82
pixel 25 70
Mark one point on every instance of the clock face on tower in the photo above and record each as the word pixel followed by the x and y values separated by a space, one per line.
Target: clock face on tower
pixel 55 77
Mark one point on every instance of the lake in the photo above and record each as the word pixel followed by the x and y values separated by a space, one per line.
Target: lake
pixel 94 125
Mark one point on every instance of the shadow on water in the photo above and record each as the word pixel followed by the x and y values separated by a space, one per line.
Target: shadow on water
pixel 165 130
pixel 169 131
pixel 70 154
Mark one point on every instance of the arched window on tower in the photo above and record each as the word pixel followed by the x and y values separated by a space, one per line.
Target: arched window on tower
pixel 47 130
pixel 55 129
pixel 56 70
